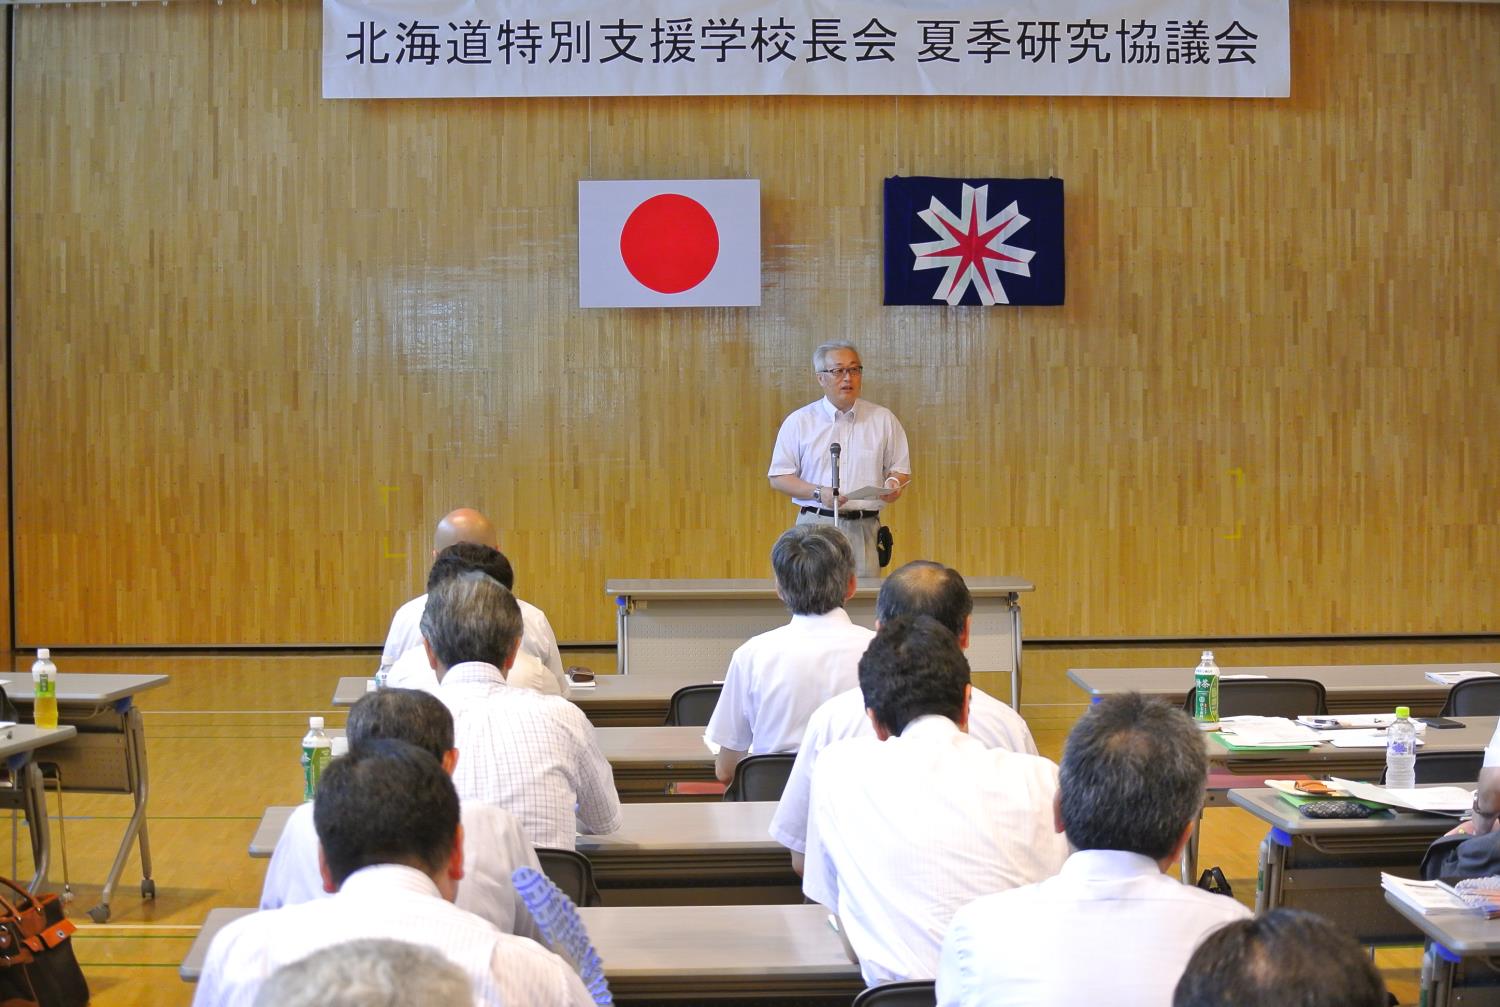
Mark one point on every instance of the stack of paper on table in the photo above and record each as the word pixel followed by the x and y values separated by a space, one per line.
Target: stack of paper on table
pixel 1430 898
pixel 1362 721
pixel 1454 677
pixel 1432 800
pixel 1239 733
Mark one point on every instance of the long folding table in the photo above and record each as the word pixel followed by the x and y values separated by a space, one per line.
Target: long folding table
pixel 1463 957
pixel 19 744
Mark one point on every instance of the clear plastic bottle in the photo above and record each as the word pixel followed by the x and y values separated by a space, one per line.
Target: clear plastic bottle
pixel 316 751
pixel 382 675
pixel 1401 752
pixel 44 690
pixel 1206 690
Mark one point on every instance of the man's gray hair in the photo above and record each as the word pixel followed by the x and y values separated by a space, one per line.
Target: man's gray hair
pixel 813 564
pixel 471 618
pixel 373 972
pixel 820 355
pixel 1133 773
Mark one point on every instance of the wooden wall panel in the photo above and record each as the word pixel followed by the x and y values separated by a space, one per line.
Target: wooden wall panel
pixel 264 340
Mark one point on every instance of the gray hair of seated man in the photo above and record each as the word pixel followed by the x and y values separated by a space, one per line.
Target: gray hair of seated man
pixel 471 617
pixel 1132 776
pixel 813 564
pixel 374 972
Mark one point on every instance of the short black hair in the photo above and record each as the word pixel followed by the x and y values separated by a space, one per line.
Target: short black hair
pixel 386 802
pixel 462 557
pixel 410 715
pixel 471 617
pixel 923 587
pixel 1133 773
pixel 911 669
pixel 813 564
pixel 1284 958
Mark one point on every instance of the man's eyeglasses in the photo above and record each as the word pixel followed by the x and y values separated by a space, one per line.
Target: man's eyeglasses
pixel 839 372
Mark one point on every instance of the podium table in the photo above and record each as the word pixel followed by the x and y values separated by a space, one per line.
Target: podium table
pixel 694 626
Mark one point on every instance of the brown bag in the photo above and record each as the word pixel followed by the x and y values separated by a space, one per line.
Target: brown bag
pixel 37 966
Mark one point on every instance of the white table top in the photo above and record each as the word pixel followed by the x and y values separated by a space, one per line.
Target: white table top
pixel 1269 806
pixel 82 688
pixel 1174 683
pixel 1463 934
pixel 27 738
pixel 643 746
pixel 866 587
pixel 1358 763
pixel 643 686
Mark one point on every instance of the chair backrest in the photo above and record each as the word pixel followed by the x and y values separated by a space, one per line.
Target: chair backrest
pixel 572 872
pixel 1268 697
pixel 692 705
pixel 1478 697
pixel 760 778
pixel 912 993
pixel 1448 767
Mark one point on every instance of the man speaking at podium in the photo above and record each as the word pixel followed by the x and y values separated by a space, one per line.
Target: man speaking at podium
pixel 845 441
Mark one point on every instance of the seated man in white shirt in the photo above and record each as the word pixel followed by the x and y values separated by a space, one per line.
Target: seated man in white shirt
pixel 918 588
pixel 909 825
pixel 1285 957
pixel 493 843
pixel 412 669
pixel 534 755
pixel 466 525
pixel 777 679
pixel 388 827
pixel 1114 926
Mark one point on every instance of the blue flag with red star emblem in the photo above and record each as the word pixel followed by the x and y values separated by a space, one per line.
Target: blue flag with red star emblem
pixel 973 240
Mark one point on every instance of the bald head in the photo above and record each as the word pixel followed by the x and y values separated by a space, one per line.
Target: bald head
pixel 464 525
pixel 926 588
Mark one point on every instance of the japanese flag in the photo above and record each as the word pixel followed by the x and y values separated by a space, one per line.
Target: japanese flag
pixel 669 243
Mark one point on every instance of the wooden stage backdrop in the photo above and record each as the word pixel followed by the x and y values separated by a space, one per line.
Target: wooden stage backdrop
pixel 260 341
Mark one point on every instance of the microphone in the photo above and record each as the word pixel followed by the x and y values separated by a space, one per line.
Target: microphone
pixel 834 450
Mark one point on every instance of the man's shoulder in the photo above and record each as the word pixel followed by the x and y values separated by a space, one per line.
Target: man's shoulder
pixel 410 610
pixel 843 716
pixel 996 721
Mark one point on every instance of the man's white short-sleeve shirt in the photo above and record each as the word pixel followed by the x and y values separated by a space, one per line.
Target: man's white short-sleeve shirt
pixel 904 832
pixel 534 755
pixel 537 638
pixel 777 679
pixel 395 902
pixel 872 445
pixel 1110 928
pixel 494 846
pixel 414 671
pixel 991 723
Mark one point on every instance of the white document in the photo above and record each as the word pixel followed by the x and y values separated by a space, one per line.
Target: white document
pixel 1267 731
pixel 867 492
pixel 1358 739
pixel 1434 800
pixel 1430 898
pixel 1367 721
pixel 1454 677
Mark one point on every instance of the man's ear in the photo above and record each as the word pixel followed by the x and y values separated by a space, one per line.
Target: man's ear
pixel 1057 820
pixel 450 759
pixel 510 659
pixel 963 634
pixel 853 586
pixel 432 661
pixel 881 731
pixel 328 885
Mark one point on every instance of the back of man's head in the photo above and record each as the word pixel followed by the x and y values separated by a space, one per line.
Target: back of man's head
pixel 1133 771
pixel 471 617
pixel 813 564
pixel 1284 957
pixel 372 972
pixel 464 525
pixel 386 802
pixel 913 668
pixel 410 715
pixel 923 587
pixel 469 556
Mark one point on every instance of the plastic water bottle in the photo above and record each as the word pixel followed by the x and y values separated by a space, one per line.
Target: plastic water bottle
pixel 44 690
pixel 1206 690
pixel 382 675
pixel 316 751
pixel 1401 752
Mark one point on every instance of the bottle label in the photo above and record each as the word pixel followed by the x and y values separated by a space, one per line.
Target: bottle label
pixel 1205 698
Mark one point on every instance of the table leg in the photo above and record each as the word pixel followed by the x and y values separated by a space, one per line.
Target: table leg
pixel 1272 874
pixel 36 818
pixel 1190 854
pixel 1439 991
pixel 135 767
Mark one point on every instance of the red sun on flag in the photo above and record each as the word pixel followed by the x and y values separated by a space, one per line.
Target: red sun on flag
pixel 669 243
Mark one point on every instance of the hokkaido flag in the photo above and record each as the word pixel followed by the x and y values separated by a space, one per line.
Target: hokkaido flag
pixel 669 243
pixel 973 241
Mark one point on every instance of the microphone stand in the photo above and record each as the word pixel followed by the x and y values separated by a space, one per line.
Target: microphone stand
pixel 834 450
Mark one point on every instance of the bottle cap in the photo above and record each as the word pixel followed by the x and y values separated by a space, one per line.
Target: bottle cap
pixel 339 746
pixel 1403 711
pixel 1208 655
pixel 43 654
pixel 316 723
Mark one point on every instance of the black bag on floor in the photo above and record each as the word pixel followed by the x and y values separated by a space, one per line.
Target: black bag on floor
pixel 37 965
pixel 1212 880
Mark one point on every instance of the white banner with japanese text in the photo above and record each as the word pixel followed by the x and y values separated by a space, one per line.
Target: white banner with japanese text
pixel 535 48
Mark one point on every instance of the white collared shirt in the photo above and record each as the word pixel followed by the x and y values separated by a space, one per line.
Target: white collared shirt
pixel 399 903
pixel 534 755
pixel 414 671
pixel 905 831
pixel 991 723
pixel 494 846
pixel 1138 926
pixel 777 679
pixel 873 446
pixel 537 638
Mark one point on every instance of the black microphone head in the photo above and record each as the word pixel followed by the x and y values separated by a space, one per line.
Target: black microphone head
pixel 835 448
